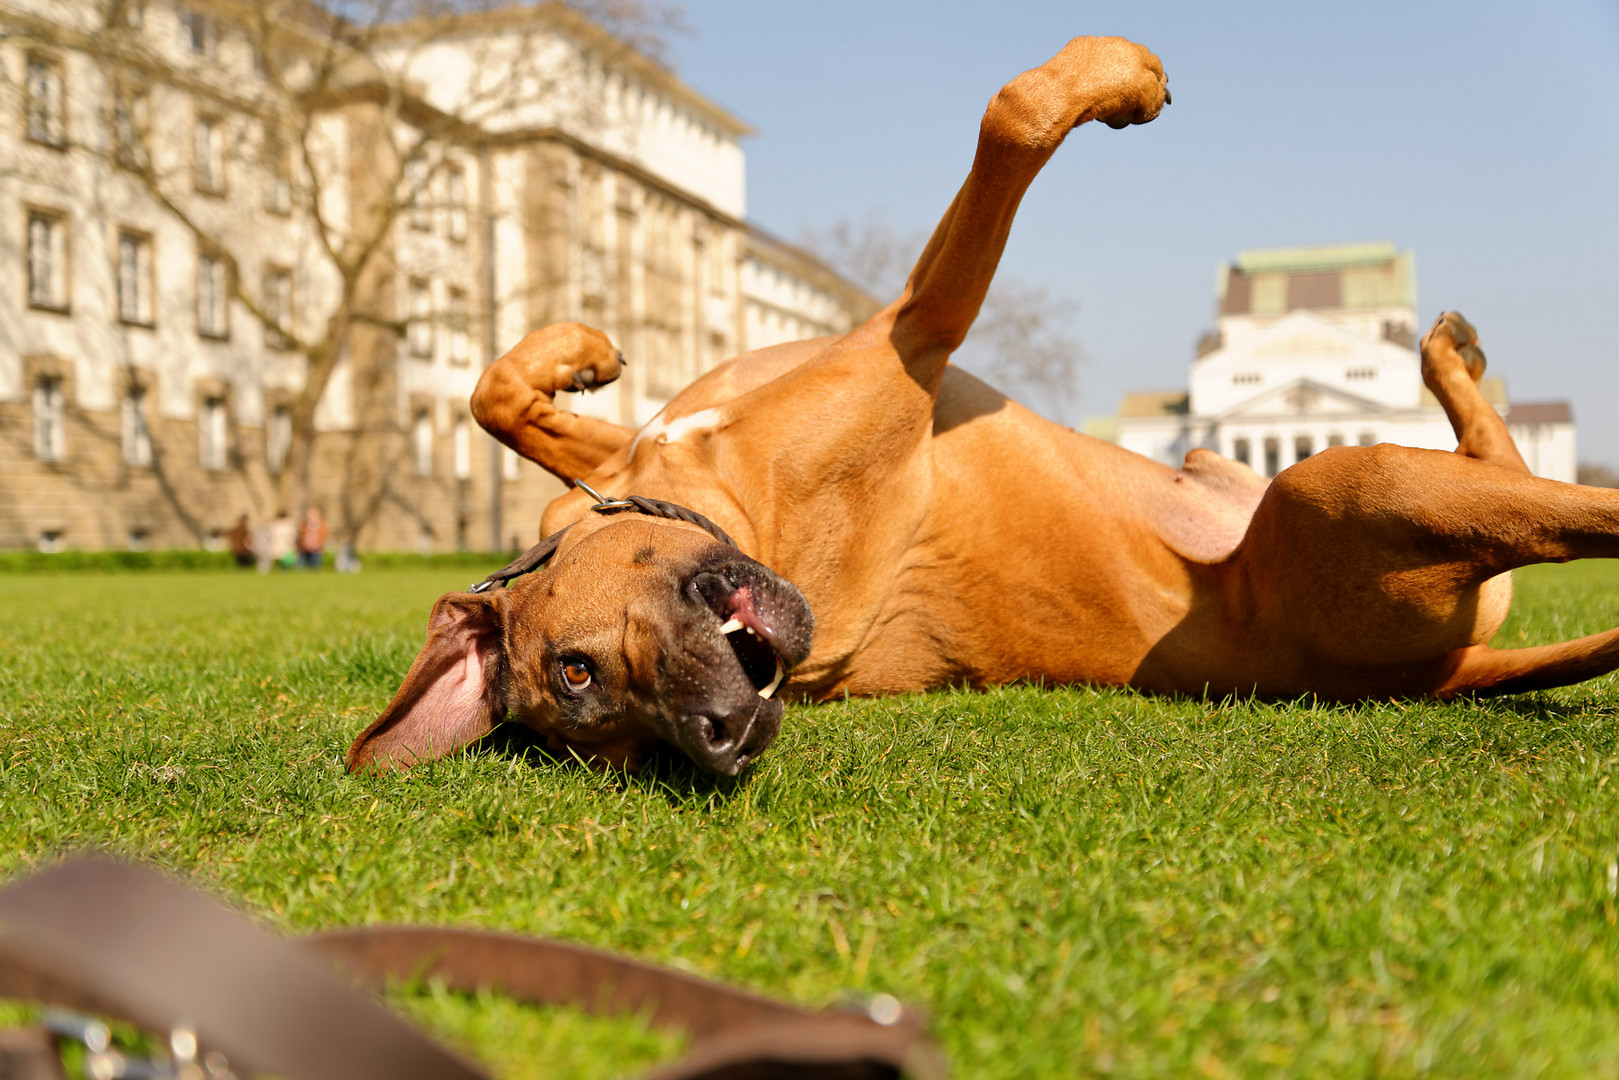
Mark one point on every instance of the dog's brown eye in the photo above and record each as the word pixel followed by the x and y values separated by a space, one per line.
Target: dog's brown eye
pixel 575 674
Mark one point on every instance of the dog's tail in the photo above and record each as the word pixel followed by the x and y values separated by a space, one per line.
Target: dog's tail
pixel 1483 670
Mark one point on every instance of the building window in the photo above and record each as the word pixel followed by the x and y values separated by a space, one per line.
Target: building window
pixel 417 177
pixel 278 438
pixel 50 420
pixel 1368 438
pixel 277 176
pixel 1335 440
pixel 131 120
pixel 420 333
pixel 127 14
pixel 139 539
pixel 211 434
pixel 213 296
pixel 455 182
pixel 51 542
pixel 1360 373
pixel 1273 456
pixel 208 154
pixel 463 448
pixel 456 316
pixel 278 307
pixel 1245 378
pixel 198 32
pixel 137 437
pixel 1303 447
pixel 1242 450
pixel 47 260
pixel 44 107
pixel 135 278
pixel 422 437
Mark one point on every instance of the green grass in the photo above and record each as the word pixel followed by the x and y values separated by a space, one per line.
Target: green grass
pixel 1073 881
pixel 112 562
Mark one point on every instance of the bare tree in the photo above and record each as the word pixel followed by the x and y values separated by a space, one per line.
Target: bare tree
pixel 1021 336
pixel 1592 474
pixel 647 26
pixel 273 124
pixel 869 252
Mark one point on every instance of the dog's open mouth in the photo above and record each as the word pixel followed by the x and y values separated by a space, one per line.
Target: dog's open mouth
pixel 761 617
pixel 752 640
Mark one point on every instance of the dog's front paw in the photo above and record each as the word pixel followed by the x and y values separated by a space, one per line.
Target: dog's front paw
pixel 562 357
pixel 597 367
pixel 1125 82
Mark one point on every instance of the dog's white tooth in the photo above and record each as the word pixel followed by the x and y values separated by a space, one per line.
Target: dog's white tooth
pixel 731 626
pixel 752 632
pixel 781 673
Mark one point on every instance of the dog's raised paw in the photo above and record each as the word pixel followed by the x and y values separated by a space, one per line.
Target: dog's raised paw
pixel 1452 335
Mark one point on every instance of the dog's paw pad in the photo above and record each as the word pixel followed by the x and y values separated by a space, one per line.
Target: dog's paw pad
pixel 1452 336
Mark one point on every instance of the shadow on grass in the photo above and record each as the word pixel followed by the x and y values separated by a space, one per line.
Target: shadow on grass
pixel 1549 721
pixel 1501 727
pixel 667 772
pixel 1553 704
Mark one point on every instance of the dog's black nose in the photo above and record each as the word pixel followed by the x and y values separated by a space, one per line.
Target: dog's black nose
pixel 712 589
pixel 726 742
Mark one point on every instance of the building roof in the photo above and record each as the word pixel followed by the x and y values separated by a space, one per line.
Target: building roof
pixel 592 36
pixel 1154 403
pixel 806 264
pixel 1274 281
pixel 1492 387
pixel 1300 260
pixel 1540 412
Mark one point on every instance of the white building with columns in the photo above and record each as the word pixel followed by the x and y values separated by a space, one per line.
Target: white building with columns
pixel 1315 347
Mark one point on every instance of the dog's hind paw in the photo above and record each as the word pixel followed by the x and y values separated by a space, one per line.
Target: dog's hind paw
pixel 1451 341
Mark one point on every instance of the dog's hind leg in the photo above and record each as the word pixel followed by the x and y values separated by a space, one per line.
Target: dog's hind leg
pixel 1106 79
pixel 1376 570
pixel 515 399
pixel 1452 364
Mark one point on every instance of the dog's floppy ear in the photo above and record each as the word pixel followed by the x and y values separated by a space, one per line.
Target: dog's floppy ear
pixel 449 698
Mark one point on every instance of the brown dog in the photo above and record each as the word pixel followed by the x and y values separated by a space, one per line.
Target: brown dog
pixel 942 534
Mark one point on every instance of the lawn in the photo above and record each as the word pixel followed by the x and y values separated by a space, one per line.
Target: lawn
pixel 1073 881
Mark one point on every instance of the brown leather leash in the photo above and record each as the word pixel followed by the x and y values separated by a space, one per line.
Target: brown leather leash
pixel 122 941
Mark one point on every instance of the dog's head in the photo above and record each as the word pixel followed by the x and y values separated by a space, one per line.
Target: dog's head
pixel 639 631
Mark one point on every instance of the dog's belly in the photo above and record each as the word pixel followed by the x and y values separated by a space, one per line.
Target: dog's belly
pixel 1045 555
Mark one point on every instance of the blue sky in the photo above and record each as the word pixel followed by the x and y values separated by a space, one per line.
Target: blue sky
pixel 1482 135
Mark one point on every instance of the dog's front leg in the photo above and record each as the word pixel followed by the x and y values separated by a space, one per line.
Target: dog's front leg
pixel 515 399
pixel 1107 79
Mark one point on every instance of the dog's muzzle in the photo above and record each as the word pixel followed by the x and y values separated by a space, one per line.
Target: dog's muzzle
pixel 726 742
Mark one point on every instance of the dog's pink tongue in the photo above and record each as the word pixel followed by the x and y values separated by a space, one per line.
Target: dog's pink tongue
pixel 743 611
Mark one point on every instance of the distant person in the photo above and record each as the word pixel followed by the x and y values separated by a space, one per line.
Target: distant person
pixel 312 539
pixel 240 539
pixel 280 543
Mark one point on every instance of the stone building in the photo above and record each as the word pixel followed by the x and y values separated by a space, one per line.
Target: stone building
pixel 175 235
pixel 1316 347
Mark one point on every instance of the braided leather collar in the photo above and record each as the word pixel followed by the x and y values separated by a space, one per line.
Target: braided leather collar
pixel 537 556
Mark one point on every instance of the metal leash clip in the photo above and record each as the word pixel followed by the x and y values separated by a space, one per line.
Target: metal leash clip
pixel 103 1062
pixel 603 503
